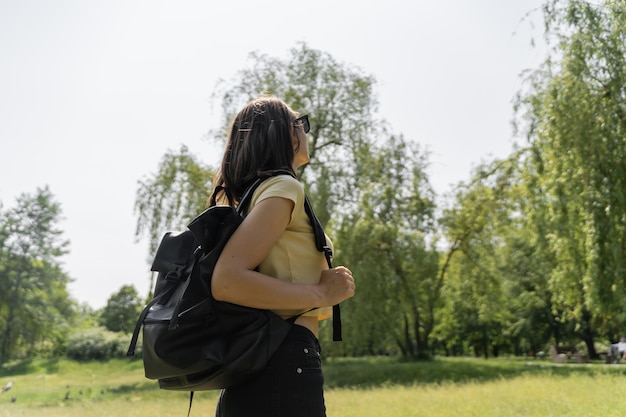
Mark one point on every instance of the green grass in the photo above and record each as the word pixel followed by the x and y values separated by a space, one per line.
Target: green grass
pixel 387 387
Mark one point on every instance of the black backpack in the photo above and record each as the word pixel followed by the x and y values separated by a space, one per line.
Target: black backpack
pixel 193 342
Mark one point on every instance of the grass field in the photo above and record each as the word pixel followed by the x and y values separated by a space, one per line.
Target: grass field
pixel 386 387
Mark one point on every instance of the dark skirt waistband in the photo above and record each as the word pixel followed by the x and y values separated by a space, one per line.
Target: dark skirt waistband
pixel 301 333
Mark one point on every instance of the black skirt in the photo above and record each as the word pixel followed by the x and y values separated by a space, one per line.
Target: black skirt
pixel 290 386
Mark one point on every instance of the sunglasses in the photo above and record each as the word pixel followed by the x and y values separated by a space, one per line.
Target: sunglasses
pixel 304 119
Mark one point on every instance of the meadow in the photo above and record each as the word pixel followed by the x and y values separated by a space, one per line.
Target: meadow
pixel 355 387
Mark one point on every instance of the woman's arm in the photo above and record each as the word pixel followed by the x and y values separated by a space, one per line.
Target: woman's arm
pixel 234 279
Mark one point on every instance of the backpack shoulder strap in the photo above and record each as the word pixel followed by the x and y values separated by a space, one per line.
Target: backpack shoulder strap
pixel 247 195
pixel 322 246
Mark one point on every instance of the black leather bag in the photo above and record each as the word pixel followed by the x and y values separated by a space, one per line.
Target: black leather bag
pixel 191 341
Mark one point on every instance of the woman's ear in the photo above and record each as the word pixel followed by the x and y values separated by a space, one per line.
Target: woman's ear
pixel 295 139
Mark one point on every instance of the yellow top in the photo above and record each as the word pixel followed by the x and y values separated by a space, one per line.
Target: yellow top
pixel 293 257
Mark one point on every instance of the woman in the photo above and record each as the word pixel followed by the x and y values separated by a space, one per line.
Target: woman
pixel 271 261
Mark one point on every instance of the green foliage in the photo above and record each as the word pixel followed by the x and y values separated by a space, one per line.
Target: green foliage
pixel 383 238
pixel 537 241
pixel 122 310
pixel 86 317
pixel 476 224
pixel 96 344
pixel 35 307
pixel 575 114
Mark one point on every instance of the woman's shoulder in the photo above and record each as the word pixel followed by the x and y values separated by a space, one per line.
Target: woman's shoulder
pixel 284 180
pixel 284 186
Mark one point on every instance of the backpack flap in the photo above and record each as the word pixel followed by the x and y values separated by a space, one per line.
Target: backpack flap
pixel 174 249
pixel 172 259
pixel 214 226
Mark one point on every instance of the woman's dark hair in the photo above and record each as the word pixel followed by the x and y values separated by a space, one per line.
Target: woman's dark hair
pixel 259 141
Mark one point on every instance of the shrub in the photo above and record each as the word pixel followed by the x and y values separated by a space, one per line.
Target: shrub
pixel 96 344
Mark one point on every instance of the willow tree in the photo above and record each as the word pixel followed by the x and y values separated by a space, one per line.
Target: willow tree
pixel 575 113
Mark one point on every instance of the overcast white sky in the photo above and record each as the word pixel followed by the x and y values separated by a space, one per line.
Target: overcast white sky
pixel 93 93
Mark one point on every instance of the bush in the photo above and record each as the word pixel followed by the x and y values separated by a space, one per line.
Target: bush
pixel 96 344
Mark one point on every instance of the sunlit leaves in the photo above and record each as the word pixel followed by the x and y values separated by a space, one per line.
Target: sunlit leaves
pixel 577 128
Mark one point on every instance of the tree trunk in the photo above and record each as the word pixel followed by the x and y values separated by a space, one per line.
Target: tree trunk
pixel 587 335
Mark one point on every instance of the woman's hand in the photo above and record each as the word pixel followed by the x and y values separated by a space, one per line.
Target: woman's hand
pixel 337 284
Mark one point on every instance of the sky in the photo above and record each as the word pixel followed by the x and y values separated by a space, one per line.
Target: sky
pixel 94 93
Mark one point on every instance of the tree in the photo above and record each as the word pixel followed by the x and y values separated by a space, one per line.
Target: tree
pixel 385 240
pixel 497 295
pixel 35 307
pixel 122 310
pixel 575 119
pixel 476 299
pixel 551 240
